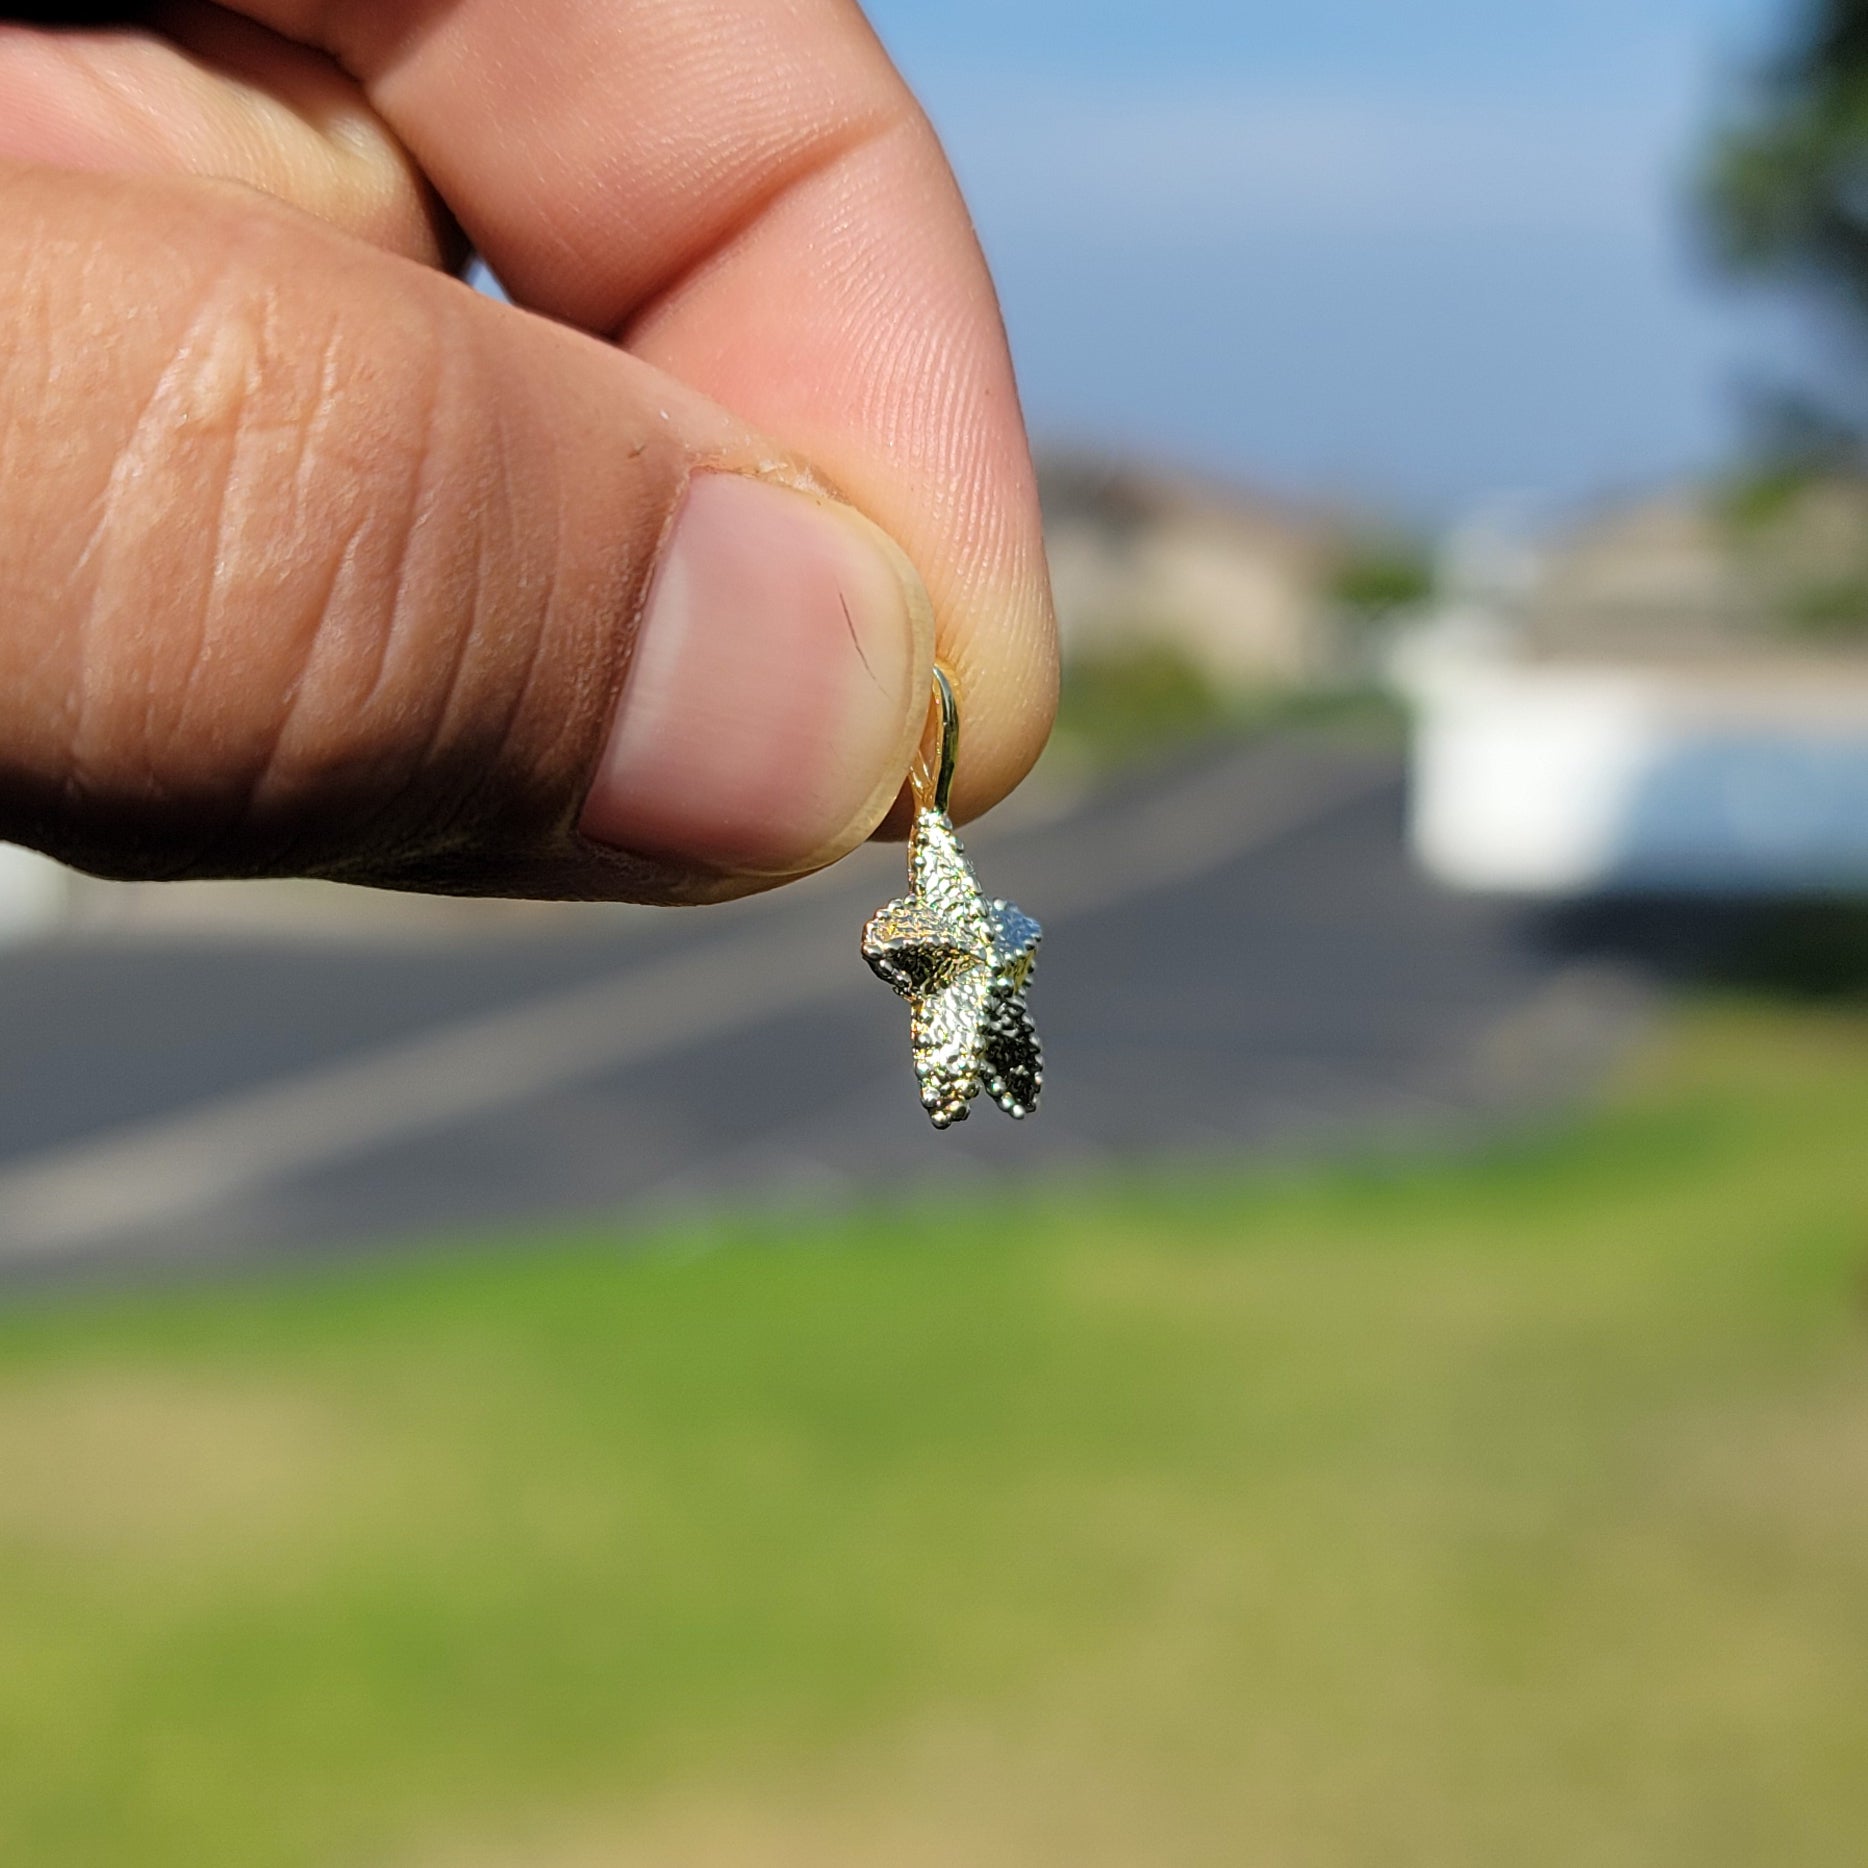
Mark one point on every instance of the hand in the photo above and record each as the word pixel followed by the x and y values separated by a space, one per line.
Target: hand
pixel 314 561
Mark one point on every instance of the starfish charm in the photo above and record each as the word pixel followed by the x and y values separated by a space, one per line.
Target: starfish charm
pixel 960 961
pixel 963 963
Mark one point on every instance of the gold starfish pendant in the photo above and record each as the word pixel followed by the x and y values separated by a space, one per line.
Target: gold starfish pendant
pixel 962 962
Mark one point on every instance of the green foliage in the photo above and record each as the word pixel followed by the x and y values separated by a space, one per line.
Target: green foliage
pixel 1377 576
pixel 1785 199
pixel 1799 538
pixel 1494 1510
pixel 1786 182
pixel 1119 704
pixel 1830 609
pixel 1762 494
pixel 1151 700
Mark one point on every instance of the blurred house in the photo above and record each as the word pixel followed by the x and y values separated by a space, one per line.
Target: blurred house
pixel 1670 694
pixel 1234 582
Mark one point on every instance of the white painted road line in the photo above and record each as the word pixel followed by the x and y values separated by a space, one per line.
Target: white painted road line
pixel 163 1170
pixel 1212 820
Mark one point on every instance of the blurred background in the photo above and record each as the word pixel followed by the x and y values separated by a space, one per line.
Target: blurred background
pixel 465 1402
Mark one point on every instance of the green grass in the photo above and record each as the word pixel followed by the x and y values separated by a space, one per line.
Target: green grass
pixel 1509 1511
pixel 1150 702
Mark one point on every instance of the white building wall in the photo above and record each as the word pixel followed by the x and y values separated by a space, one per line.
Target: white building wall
pixel 1552 780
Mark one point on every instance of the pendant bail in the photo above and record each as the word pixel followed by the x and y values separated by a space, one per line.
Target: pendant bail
pixel 933 780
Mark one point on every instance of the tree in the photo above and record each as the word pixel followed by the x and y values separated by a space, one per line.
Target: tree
pixel 1787 183
pixel 1786 199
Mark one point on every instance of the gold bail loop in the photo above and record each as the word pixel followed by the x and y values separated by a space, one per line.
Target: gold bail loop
pixel 933 780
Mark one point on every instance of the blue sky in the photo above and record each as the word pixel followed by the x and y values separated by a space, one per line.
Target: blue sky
pixel 1417 251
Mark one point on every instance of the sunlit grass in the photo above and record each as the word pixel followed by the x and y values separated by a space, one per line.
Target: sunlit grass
pixel 1497 1511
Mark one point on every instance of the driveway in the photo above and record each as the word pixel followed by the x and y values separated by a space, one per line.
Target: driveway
pixel 1239 963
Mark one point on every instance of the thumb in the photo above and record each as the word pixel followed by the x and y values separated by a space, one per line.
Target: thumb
pixel 312 561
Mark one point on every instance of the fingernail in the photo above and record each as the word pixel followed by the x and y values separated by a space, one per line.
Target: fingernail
pixel 770 708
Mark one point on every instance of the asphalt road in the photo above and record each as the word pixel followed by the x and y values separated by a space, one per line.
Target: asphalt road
pixel 1239 961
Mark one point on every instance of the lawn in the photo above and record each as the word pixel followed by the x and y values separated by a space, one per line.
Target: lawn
pixel 1509 1510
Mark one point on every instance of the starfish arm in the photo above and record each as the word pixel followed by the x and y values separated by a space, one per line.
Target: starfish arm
pixel 949 1054
pixel 914 948
pixel 1015 938
pixel 1013 1059
pixel 941 875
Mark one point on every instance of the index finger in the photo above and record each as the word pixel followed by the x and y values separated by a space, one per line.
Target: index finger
pixel 745 194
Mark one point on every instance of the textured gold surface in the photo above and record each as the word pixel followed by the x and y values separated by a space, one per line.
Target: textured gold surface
pixel 963 964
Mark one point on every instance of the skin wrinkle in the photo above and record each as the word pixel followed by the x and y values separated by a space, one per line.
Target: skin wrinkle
pixel 229 641
pixel 838 161
pixel 731 136
pixel 400 618
pixel 586 666
pixel 39 343
pixel 554 625
pixel 293 772
pixel 841 264
pixel 246 541
pixel 366 468
pixel 155 432
pixel 326 604
pixel 814 162
pixel 494 507
pixel 249 433
pixel 618 618
pixel 419 509
pixel 541 607
pixel 128 452
pixel 465 638
pixel 344 559
pixel 531 597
